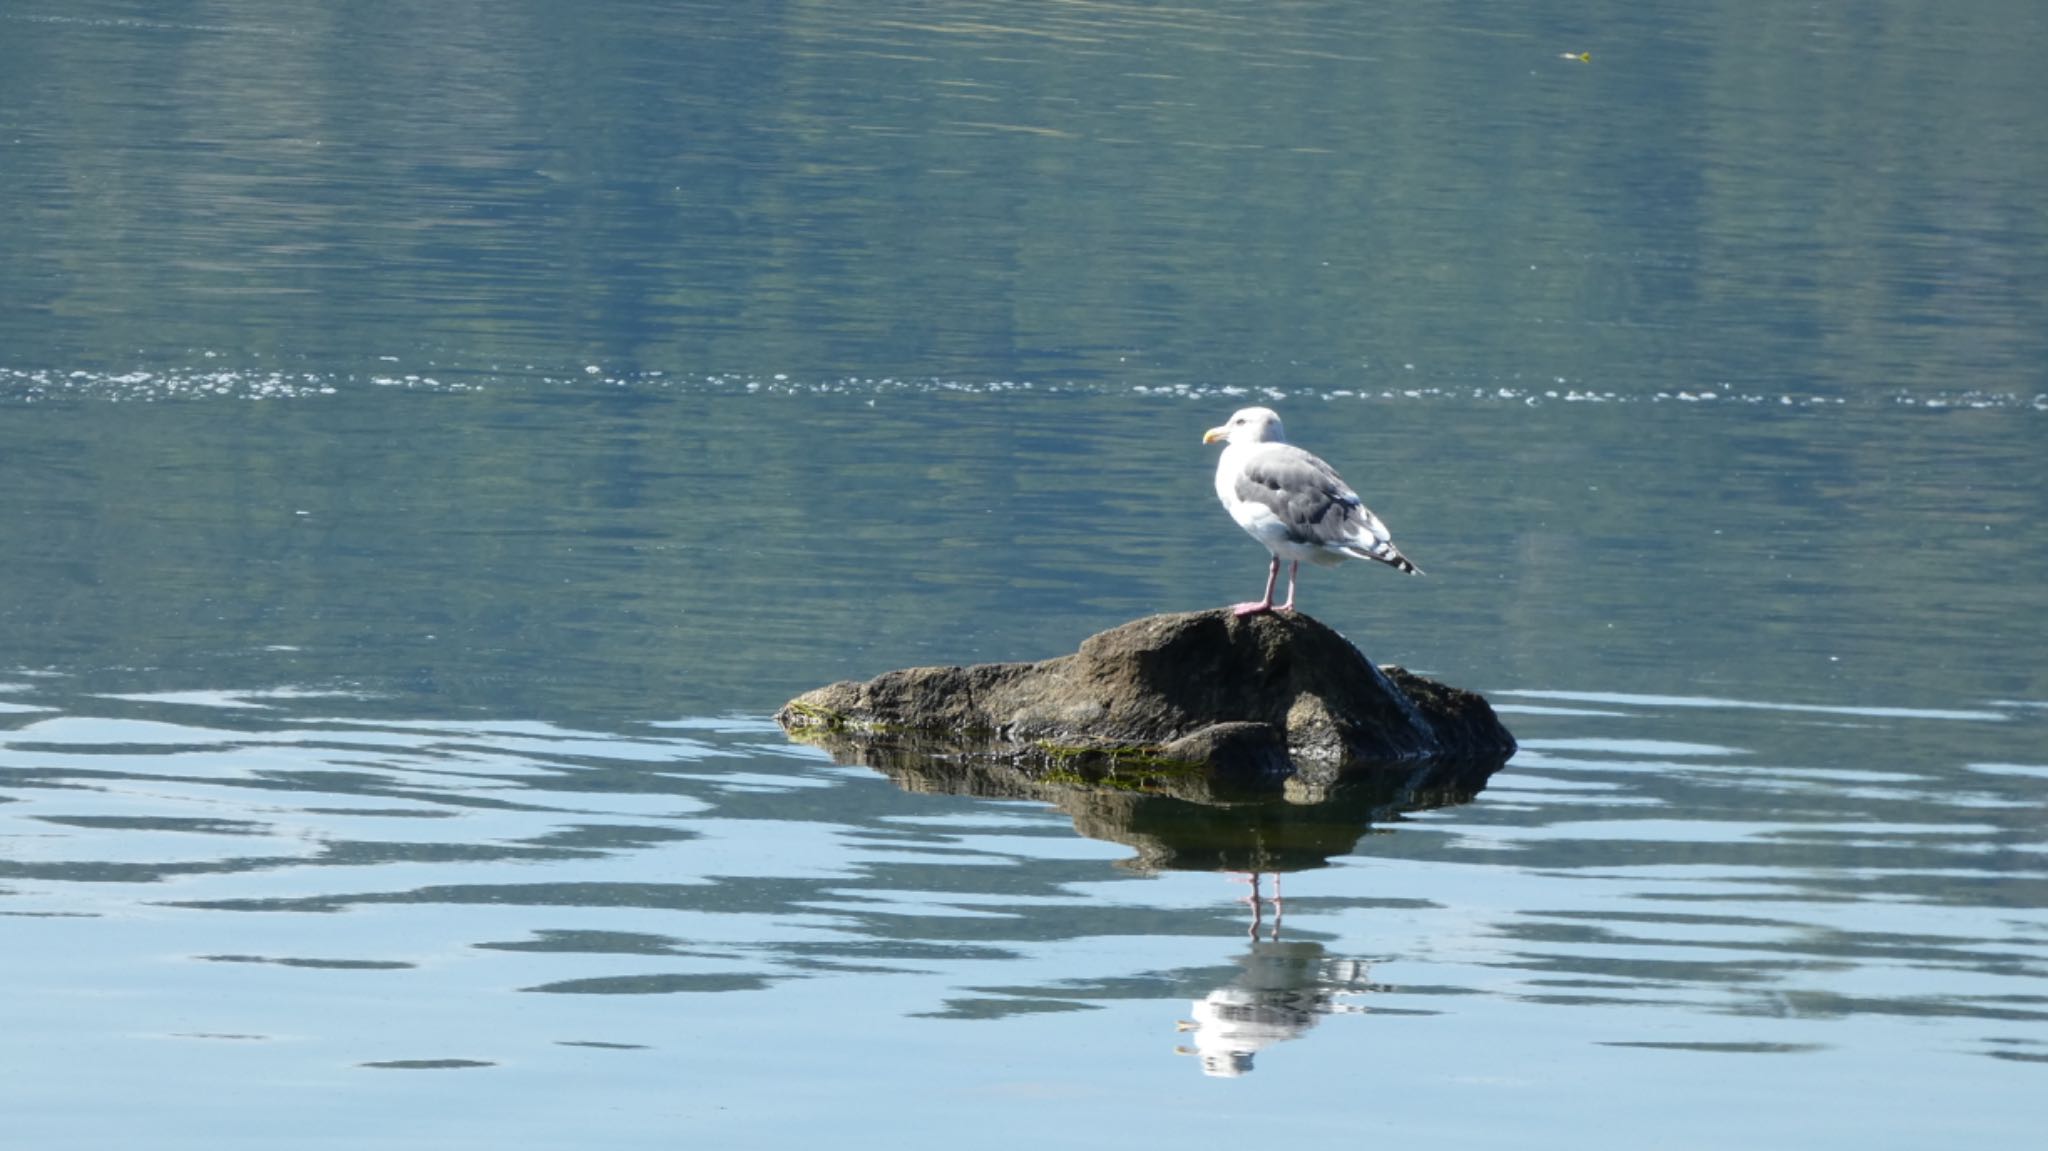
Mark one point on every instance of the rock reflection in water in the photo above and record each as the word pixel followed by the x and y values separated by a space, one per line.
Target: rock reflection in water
pixel 1177 822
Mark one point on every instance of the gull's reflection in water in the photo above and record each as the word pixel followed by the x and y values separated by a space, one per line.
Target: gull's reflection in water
pixel 1282 988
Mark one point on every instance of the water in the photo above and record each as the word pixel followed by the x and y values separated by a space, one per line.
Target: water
pixel 435 441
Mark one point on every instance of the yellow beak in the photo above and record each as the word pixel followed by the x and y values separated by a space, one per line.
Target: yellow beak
pixel 1214 434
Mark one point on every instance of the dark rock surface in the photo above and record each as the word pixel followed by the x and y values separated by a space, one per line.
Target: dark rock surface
pixel 1207 705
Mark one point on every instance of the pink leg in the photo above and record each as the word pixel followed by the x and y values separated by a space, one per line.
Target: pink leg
pixel 1266 605
pixel 1293 569
pixel 1258 913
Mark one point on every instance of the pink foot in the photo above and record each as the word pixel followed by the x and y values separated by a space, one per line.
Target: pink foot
pixel 1251 608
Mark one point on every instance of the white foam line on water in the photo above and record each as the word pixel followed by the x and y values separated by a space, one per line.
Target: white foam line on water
pixel 760 781
pixel 1631 746
pixel 489 747
pixel 1376 385
pixel 1528 757
pixel 724 725
pixel 216 699
pixel 977 821
pixel 1537 709
pixel 2033 770
pixel 233 698
pixel 1530 783
pixel 1634 700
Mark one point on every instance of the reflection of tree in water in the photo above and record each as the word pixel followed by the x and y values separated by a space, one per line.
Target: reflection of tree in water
pixel 1282 989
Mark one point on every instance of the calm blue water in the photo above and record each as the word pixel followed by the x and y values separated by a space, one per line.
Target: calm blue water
pixel 435 440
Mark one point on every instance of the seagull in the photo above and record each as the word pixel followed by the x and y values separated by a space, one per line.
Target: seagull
pixel 1292 502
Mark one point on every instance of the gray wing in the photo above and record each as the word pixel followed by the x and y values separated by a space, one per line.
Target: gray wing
pixel 1315 504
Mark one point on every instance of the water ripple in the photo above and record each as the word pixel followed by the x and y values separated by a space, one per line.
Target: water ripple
pixel 1662 859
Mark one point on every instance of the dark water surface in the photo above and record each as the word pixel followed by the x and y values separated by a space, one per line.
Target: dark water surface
pixel 435 438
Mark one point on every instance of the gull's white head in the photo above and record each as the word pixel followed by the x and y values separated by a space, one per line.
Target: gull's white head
pixel 1248 426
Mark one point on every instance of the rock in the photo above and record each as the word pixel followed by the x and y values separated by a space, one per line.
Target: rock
pixel 1207 705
